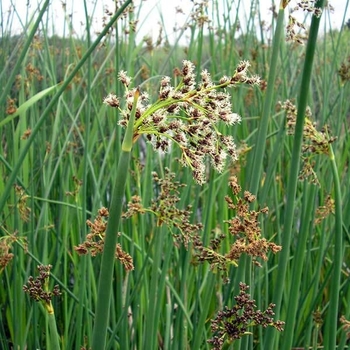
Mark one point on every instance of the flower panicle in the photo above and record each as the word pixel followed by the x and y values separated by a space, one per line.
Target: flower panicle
pixel 38 289
pixel 94 243
pixel 188 116
pixel 233 323
pixel 299 36
pixel 315 142
pixel 244 226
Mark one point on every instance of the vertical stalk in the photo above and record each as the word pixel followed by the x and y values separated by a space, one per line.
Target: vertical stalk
pixel 293 173
pixel 54 338
pixel 259 150
pixel 298 265
pixel 262 132
pixel 108 256
pixel 333 308
pixel 83 261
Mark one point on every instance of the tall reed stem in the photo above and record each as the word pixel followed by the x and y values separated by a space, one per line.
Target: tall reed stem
pixel 338 252
pixel 108 256
pixel 260 146
pixel 293 176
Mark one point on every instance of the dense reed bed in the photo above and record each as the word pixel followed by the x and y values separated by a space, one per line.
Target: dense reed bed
pixel 122 225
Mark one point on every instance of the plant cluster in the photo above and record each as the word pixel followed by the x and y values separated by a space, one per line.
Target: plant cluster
pixel 244 227
pixel 59 147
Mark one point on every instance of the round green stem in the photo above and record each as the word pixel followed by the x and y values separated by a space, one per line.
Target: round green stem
pixel 108 256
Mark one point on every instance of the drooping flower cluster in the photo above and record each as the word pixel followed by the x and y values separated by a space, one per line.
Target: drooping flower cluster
pixel 344 71
pixel 188 115
pixel 94 242
pixel 232 324
pixel 314 141
pixel 323 211
pixel 5 255
pixel 6 245
pixel 24 210
pixel 345 325
pixel 165 208
pixel 300 36
pixel 245 228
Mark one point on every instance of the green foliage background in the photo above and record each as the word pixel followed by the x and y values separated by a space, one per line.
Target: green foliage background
pixel 67 169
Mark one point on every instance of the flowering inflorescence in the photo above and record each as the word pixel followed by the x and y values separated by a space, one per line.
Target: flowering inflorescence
pixel 165 208
pixel 345 325
pixel 5 255
pixel 211 254
pixel 344 71
pixel 245 228
pixel 37 288
pixel 232 324
pixel 188 116
pixel 199 14
pixel 94 242
pixel 306 6
pixel 24 210
pixel 323 211
pixel 314 141
pixel 6 243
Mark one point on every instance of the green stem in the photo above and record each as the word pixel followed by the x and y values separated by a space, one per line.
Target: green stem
pixel 293 174
pixel 298 265
pixel 155 293
pixel 266 113
pixel 208 292
pixel 83 260
pixel 54 338
pixel 333 308
pixel 108 256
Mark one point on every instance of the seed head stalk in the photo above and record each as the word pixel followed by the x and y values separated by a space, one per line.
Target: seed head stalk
pixel 108 256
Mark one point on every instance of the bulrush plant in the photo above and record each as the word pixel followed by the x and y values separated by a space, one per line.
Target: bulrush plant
pixel 186 116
